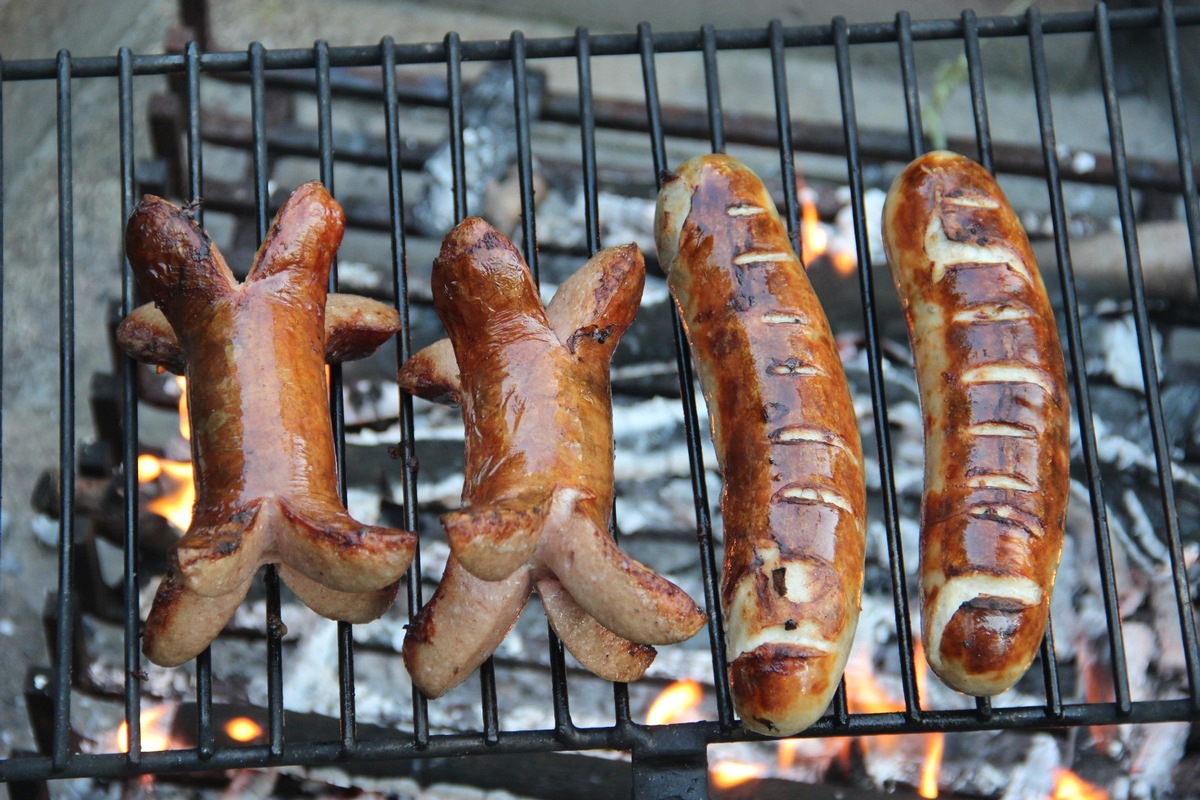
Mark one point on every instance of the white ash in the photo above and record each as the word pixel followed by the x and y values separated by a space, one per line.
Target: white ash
pixel 367 402
pixel 1034 778
pixel 843 238
pixel 1117 353
pixel 562 218
pixel 1118 451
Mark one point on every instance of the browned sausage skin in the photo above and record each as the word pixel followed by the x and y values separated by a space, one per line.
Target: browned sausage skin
pixel 994 400
pixel 786 439
pixel 534 387
pixel 262 444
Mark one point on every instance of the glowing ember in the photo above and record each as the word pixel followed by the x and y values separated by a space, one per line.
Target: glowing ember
pixel 1069 786
pixel 675 702
pixel 155 728
pixel 243 729
pixel 725 774
pixel 149 468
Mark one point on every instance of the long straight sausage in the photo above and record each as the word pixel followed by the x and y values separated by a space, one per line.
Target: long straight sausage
pixel 994 400
pixel 786 440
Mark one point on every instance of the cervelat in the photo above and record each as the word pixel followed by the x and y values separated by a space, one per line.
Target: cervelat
pixel 262 444
pixel 993 395
pixel 786 440
pixel 533 383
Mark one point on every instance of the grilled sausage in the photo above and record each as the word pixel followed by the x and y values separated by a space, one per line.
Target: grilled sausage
pixel 355 327
pixel 181 623
pixel 786 441
pixel 994 400
pixel 534 387
pixel 262 443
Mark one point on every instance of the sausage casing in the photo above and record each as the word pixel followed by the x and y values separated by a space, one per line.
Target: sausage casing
pixel 994 400
pixel 786 439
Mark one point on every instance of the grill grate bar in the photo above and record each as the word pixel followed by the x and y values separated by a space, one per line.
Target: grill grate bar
pixel 883 438
pixel 908 74
pixel 591 210
pixel 691 421
pixel 983 129
pixel 205 738
pixel 258 123
pixel 65 612
pixel 319 62
pixel 1037 56
pixel 971 49
pixel 1087 433
pixel 606 45
pixel 587 140
pixel 408 471
pixel 787 155
pixel 454 85
pixel 1183 136
pixel 129 425
pixel 524 153
pixel 916 140
pixel 337 407
pixel 712 88
pixel 534 741
pixel 1146 351
pixel 557 656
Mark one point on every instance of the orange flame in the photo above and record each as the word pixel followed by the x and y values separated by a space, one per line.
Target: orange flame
pixel 725 774
pixel 155 731
pixel 1069 786
pixel 813 237
pixel 928 786
pixel 243 729
pixel 864 694
pixel 176 502
pixel 675 702
pixel 815 241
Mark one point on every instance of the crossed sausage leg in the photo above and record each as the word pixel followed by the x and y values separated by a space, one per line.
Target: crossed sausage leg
pixel 262 444
pixel 533 382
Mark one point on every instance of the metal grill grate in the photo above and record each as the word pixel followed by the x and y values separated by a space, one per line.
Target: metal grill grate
pixel 674 752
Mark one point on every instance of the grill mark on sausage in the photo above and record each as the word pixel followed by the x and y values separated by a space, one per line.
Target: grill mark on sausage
pixel 1008 373
pixel 993 480
pixel 971 202
pixel 744 210
pixel 991 312
pixel 794 434
pixel 1009 429
pixel 814 495
pixel 784 318
pixel 1011 515
pixel 793 366
pixel 761 257
pixel 948 254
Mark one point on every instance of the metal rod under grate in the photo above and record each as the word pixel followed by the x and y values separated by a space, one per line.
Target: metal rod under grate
pixel 679 747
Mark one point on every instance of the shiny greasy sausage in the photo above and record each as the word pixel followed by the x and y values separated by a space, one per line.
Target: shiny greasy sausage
pixel 533 383
pixel 786 439
pixel 994 400
pixel 262 445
